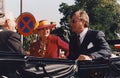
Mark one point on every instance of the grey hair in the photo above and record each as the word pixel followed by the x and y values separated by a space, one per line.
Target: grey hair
pixel 4 16
pixel 82 15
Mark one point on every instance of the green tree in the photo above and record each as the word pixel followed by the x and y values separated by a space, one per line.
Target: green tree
pixel 102 13
pixel 28 40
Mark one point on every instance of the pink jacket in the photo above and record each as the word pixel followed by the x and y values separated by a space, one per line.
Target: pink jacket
pixel 54 43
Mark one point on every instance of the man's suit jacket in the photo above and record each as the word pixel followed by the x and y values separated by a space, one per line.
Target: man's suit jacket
pixel 93 44
pixel 10 41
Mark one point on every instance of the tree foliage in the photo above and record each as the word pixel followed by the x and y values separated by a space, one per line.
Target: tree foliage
pixel 102 13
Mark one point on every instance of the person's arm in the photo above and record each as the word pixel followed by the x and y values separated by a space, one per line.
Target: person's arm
pixel 63 45
pixel 104 50
pixel 14 43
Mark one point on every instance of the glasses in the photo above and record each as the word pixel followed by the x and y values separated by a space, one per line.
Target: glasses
pixel 2 15
pixel 75 21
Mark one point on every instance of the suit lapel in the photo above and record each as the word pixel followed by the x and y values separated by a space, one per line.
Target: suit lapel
pixel 87 39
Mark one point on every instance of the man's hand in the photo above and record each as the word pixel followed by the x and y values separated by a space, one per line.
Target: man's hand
pixel 84 57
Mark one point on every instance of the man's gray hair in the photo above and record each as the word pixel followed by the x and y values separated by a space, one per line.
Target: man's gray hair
pixel 4 16
pixel 82 15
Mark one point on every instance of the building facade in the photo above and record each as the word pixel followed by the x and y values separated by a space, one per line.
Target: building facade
pixel 2 5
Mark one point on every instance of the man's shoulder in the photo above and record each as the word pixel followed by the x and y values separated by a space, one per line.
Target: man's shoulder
pixel 95 32
pixel 10 34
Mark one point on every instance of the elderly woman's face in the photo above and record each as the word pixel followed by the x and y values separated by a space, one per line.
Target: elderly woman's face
pixel 45 32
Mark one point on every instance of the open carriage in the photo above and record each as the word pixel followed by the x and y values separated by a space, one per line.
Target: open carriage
pixel 34 67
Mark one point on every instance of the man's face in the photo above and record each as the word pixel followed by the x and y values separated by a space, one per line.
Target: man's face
pixel 77 24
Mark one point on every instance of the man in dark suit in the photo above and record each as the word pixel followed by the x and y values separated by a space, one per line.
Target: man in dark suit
pixel 92 44
pixel 9 39
pixel 9 44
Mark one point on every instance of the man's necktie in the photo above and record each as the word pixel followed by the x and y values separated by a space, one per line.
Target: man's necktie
pixel 78 41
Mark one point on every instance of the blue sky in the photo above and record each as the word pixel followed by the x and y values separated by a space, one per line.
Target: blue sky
pixel 41 9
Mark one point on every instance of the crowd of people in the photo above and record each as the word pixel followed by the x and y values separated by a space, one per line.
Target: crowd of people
pixel 91 44
pixel 84 43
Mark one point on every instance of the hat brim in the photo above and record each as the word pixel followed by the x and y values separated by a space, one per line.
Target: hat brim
pixel 46 26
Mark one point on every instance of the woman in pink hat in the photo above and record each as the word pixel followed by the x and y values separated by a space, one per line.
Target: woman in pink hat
pixel 47 45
